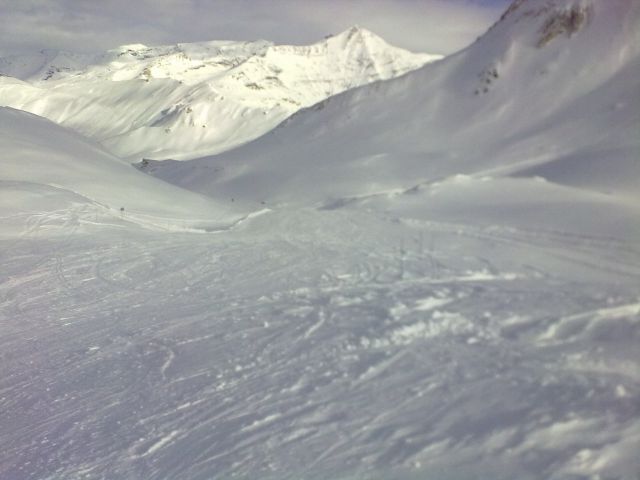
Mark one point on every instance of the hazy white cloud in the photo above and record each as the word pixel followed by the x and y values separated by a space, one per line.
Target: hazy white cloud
pixel 437 26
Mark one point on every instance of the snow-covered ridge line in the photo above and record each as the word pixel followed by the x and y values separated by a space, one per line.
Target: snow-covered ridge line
pixel 191 99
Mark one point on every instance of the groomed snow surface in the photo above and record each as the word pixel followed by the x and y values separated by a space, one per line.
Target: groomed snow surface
pixel 417 279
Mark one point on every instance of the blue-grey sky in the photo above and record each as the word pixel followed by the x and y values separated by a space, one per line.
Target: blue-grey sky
pixel 434 26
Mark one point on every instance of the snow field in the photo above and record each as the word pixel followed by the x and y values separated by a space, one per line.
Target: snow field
pixel 341 347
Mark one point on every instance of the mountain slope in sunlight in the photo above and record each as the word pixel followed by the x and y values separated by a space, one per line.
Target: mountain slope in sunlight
pixel 187 100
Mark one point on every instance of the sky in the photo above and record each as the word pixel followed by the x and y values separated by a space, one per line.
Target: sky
pixel 433 26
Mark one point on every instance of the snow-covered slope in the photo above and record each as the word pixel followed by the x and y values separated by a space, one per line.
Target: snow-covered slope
pixel 46 167
pixel 542 110
pixel 188 100
pixel 464 304
pixel 314 344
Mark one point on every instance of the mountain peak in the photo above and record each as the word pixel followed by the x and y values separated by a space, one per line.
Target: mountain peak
pixel 132 46
pixel 364 45
pixel 358 34
pixel 358 30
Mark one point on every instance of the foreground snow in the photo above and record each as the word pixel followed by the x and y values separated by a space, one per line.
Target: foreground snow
pixel 316 344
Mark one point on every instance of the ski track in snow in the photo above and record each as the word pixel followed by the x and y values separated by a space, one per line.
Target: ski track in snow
pixel 338 345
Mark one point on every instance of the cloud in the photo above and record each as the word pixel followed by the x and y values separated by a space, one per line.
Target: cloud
pixel 435 26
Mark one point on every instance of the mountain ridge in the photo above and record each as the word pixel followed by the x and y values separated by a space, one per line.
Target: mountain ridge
pixel 186 100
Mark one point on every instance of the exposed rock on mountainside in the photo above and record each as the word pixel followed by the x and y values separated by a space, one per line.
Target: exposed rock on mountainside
pixel 564 23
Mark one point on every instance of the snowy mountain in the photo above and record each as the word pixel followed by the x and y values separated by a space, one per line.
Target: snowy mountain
pixel 541 110
pixel 188 100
